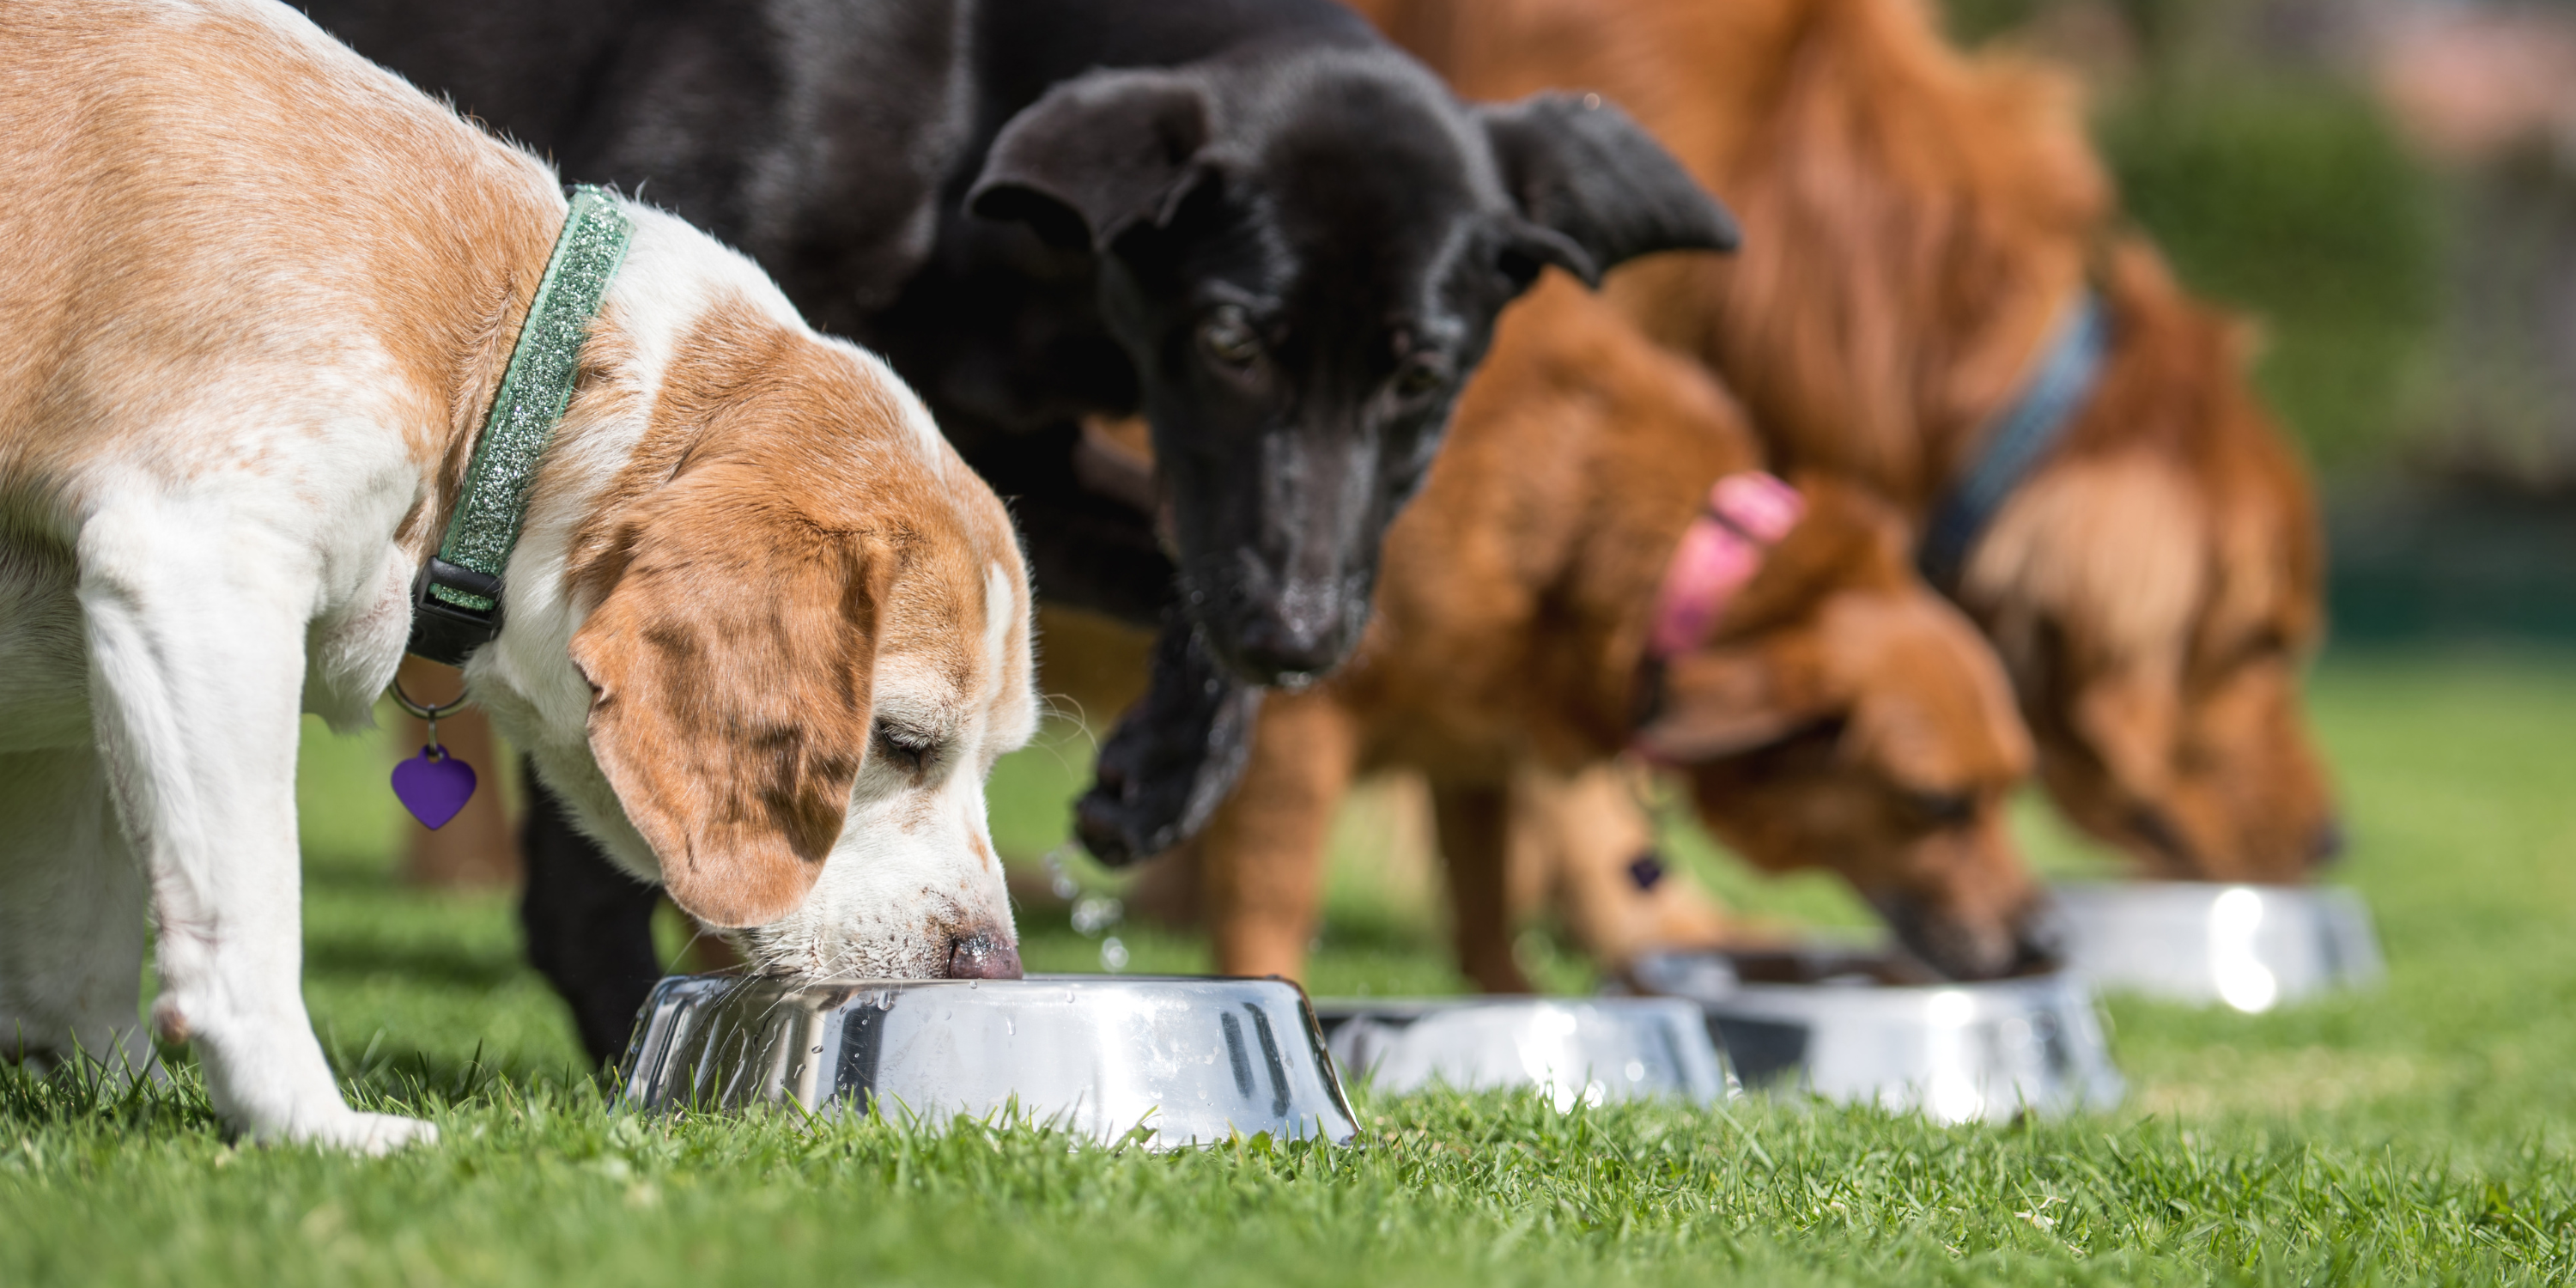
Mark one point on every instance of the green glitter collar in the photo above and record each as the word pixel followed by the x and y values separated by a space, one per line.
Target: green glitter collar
pixel 456 601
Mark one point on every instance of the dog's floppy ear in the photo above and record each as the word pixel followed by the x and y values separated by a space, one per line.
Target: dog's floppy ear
pixel 731 666
pixel 1596 188
pixel 1096 155
pixel 1930 703
pixel 1732 699
pixel 2130 716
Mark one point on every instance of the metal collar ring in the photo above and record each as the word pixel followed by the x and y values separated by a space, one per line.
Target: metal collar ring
pixel 429 712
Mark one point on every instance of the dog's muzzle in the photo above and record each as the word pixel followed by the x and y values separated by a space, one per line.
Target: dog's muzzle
pixel 983 955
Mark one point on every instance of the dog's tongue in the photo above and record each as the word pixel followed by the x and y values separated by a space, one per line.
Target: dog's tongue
pixel 434 786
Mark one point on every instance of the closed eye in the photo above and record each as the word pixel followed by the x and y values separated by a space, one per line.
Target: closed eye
pixel 1942 809
pixel 904 747
pixel 2265 646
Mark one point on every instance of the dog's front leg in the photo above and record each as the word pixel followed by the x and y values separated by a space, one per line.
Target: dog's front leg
pixel 1173 757
pixel 1262 875
pixel 1470 818
pixel 196 652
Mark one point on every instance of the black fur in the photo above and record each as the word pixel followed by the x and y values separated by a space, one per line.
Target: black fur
pixel 1174 756
pixel 580 919
pixel 1252 220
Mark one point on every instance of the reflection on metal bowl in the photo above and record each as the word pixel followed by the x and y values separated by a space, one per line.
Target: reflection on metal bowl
pixel 1587 1050
pixel 1859 1027
pixel 2250 947
pixel 1195 1061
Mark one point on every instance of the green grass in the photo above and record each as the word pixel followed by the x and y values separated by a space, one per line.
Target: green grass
pixel 2421 1133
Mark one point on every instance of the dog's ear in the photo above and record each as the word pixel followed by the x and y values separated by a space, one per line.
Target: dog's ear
pixel 731 666
pixel 1732 699
pixel 2130 717
pixel 1930 703
pixel 1097 155
pixel 1596 189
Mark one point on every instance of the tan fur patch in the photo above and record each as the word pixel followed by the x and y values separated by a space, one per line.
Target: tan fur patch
pixel 2112 546
pixel 362 228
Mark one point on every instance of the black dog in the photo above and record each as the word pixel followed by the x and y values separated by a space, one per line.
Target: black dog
pixel 1252 220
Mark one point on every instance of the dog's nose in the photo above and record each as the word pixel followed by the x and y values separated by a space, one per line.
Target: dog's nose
pixel 2039 939
pixel 2327 845
pixel 983 955
pixel 1270 649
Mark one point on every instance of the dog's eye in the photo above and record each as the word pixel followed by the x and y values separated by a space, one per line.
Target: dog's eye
pixel 1421 374
pixel 909 750
pixel 2265 645
pixel 1946 809
pixel 1227 335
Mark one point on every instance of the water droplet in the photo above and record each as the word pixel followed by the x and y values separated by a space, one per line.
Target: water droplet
pixel 1113 955
pixel 1097 913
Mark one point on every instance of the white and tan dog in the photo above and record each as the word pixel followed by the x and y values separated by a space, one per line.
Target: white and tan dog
pixel 762 627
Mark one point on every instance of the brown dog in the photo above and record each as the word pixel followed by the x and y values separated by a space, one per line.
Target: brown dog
pixel 1584 854
pixel 1840 714
pixel 1916 225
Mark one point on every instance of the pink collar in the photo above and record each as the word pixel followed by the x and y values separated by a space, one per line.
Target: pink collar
pixel 1747 514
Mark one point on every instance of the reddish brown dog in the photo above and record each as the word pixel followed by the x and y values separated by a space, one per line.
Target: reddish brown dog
pixel 1840 714
pixel 1917 223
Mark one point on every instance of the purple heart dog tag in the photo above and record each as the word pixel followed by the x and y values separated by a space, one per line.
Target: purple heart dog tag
pixel 434 785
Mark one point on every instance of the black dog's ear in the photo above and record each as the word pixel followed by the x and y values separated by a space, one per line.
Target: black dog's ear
pixel 1581 170
pixel 1096 155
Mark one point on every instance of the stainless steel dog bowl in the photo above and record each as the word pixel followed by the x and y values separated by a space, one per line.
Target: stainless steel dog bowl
pixel 1855 1027
pixel 1588 1050
pixel 2249 947
pixel 1193 1060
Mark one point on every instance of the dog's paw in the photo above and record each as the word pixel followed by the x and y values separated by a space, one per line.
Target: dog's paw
pixel 374 1135
pixel 1119 830
pixel 1173 758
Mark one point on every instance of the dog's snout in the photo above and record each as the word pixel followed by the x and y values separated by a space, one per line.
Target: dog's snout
pixel 2326 847
pixel 1962 946
pixel 2039 938
pixel 1275 645
pixel 983 955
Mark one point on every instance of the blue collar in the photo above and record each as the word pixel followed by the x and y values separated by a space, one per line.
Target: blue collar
pixel 2020 438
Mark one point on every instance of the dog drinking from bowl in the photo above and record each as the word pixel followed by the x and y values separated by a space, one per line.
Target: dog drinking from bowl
pixel 749 615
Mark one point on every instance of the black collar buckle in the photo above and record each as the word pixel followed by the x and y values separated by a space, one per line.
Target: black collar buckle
pixel 443 630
